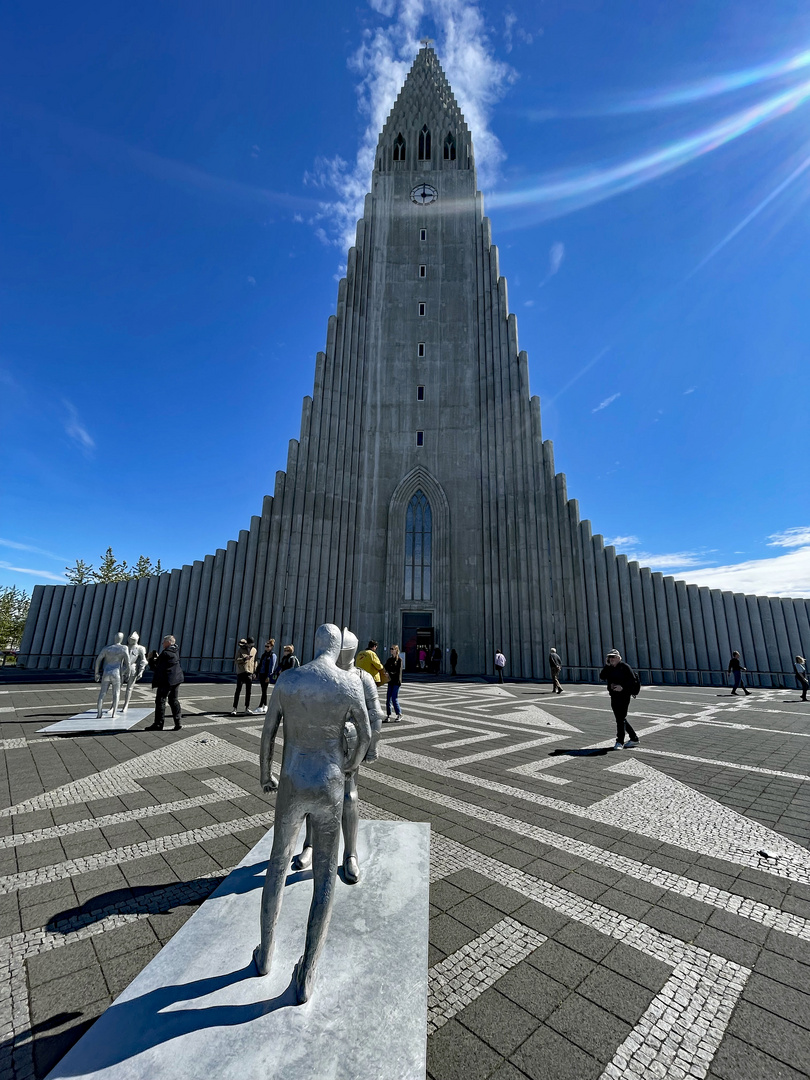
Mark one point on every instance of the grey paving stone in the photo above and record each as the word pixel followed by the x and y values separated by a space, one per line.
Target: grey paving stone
pixel 497 1020
pixel 738 1060
pixel 589 1026
pixel 455 1053
pixel 448 934
pixel 533 990
pixel 546 1055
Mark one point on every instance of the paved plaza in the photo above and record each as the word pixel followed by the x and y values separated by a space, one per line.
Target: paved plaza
pixel 594 913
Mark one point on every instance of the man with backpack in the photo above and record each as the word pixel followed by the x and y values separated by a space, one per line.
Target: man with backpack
pixel 623 683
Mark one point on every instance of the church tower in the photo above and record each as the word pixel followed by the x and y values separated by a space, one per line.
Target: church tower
pixel 420 504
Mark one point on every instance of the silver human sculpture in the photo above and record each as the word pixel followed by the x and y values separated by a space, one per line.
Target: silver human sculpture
pixel 137 665
pixel 351 803
pixel 315 702
pixel 115 659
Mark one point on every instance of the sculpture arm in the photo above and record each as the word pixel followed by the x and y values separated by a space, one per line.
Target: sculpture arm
pixel 358 715
pixel 269 732
pixel 96 670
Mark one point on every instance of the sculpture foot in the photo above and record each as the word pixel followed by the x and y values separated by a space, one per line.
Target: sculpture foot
pixel 302 982
pixel 304 860
pixel 351 870
pixel 261 968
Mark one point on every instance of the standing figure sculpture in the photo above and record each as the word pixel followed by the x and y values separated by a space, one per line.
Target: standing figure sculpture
pixel 351 803
pixel 137 665
pixel 315 701
pixel 115 661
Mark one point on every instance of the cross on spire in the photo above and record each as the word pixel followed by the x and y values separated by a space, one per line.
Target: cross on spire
pixel 426 41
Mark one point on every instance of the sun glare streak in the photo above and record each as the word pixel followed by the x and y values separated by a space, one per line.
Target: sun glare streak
pixel 574 189
pixel 777 191
pixel 711 87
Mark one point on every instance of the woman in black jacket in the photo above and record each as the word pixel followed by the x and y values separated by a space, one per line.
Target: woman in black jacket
pixel 393 666
pixel 622 684
pixel 167 675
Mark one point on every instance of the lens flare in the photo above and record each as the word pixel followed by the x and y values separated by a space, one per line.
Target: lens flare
pixel 573 189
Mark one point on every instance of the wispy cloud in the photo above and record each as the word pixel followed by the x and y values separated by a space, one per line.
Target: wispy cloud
pixel 579 374
pixel 44 574
pixel 691 390
pixel 33 550
pixel 622 541
pixel 608 401
pixel 798 536
pixel 555 260
pixel 670 561
pixel 781 575
pixel 381 62
pixel 76 429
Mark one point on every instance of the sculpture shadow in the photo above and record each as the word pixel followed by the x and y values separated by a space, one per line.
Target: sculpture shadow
pixel 144 1022
pixel 584 751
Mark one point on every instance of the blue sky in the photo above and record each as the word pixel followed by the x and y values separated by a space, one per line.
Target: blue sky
pixel 179 184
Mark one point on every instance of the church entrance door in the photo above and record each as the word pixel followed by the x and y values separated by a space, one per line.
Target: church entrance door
pixel 417 636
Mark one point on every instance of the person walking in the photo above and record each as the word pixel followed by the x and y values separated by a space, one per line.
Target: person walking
pixel 288 660
pixel 265 669
pixel 735 668
pixel 555 663
pixel 623 683
pixel 245 661
pixel 500 664
pixel 393 667
pixel 368 661
pixel 167 676
pixel 453 662
pixel 800 667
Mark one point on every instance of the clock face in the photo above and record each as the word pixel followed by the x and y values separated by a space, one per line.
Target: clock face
pixel 424 194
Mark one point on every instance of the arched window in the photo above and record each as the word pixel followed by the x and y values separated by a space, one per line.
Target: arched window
pixel 399 148
pixel 449 147
pixel 418 533
pixel 424 144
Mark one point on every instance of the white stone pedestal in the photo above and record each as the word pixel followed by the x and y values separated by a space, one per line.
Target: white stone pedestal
pixel 89 722
pixel 198 1012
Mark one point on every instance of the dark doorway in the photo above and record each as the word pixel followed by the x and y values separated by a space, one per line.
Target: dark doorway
pixel 417 635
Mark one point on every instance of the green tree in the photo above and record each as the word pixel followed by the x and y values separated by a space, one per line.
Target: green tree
pixel 110 570
pixel 80 574
pixel 14 604
pixel 144 568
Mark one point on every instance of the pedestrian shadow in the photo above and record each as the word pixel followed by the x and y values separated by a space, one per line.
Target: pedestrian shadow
pixel 585 751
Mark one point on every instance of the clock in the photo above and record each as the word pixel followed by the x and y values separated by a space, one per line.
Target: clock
pixel 424 194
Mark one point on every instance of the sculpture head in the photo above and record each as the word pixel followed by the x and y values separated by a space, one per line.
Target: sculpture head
pixel 133 638
pixel 327 641
pixel 348 647
pixel 119 638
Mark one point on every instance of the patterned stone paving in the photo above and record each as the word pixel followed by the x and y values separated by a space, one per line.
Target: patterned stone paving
pixel 594 913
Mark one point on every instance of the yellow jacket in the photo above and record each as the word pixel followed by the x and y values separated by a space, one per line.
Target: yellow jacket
pixel 370 662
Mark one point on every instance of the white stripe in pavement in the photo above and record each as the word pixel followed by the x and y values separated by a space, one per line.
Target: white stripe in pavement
pixel 725 764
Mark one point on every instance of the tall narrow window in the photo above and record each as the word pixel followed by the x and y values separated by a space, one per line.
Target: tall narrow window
pixel 449 147
pixel 422 271
pixel 424 144
pixel 420 393
pixel 422 309
pixel 420 348
pixel 399 148
pixel 420 438
pixel 423 234
pixel 418 536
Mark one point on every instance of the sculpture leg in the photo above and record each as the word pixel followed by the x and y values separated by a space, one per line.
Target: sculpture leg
pixel 326 836
pixel 130 688
pixel 351 819
pixel 304 860
pixel 115 683
pixel 284 837
pixel 102 690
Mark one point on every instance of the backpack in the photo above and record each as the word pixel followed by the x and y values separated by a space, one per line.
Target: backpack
pixel 636 684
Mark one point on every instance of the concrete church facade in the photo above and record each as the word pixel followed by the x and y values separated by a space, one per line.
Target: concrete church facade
pixel 420 502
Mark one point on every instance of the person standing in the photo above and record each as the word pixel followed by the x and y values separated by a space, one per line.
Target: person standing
pixel 453 661
pixel 368 661
pixel 422 657
pixel 555 663
pixel 393 667
pixel 265 669
pixel 500 664
pixel 736 669
pixel 288 660
pixel 167 676
pixel 245 661
pixel 436 659
pixel 800 667
pixel 623 684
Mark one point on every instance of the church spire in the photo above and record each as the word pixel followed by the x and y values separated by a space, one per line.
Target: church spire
pixel 425 129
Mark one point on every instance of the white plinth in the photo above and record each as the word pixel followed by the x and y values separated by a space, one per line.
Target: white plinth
pixel 198 1012
pixel 88 721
